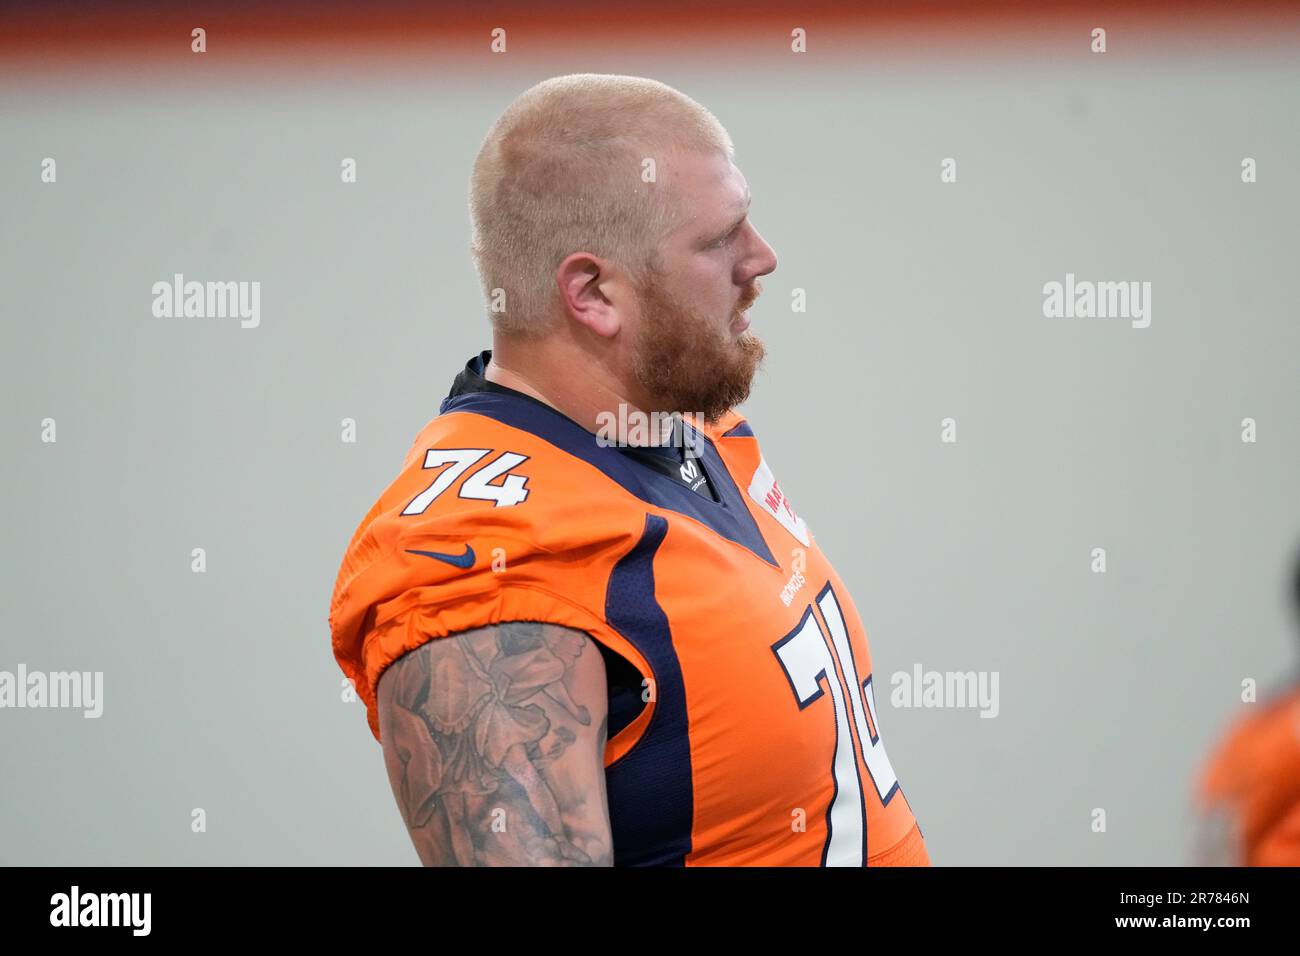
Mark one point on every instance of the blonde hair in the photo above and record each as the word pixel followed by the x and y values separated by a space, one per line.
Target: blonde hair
pixel 561 171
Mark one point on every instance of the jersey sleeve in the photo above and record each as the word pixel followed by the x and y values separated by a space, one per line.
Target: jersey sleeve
pixel 410 598
pixel 464 564
pixel 1280 844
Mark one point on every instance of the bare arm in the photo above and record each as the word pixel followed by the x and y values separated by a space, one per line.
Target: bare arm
pixel 494 741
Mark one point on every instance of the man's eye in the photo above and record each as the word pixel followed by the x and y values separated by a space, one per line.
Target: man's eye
pixel 729 236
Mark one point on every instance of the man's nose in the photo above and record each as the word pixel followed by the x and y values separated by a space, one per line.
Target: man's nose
pixel 764 258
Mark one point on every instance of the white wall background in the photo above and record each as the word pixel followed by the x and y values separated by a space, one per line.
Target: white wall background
pixel 924 302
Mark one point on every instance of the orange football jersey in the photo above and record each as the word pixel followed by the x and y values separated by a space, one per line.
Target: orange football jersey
pixel 1280 843
pixel 1253 779
pixel 758 742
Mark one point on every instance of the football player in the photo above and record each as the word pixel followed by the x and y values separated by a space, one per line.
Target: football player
pixel 587 624
pixel 1248 797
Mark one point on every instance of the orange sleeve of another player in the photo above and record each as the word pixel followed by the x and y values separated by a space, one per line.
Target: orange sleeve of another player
pixel 1280 845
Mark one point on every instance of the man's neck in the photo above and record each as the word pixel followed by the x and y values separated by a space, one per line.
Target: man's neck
pixel 573 386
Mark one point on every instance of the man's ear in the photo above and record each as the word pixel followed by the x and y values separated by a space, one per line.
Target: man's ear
pixel 591 292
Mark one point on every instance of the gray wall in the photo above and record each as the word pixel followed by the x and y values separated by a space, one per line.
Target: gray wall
pixel 924 302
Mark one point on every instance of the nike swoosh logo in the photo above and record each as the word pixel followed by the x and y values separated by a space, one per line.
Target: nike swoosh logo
pixel 465 560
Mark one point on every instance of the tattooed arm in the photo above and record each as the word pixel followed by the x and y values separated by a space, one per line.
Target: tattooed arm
pixel 494 741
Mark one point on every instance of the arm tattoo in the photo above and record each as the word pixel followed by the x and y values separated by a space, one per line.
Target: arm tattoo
pixel 494 740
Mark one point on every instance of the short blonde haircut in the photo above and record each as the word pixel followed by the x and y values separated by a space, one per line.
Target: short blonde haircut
pixel 561 171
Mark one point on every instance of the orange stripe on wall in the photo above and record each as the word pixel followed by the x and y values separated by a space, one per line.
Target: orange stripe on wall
pixel 149 37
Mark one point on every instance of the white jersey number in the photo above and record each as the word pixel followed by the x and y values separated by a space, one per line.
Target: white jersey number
pixel 478 485
pixel 808 661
